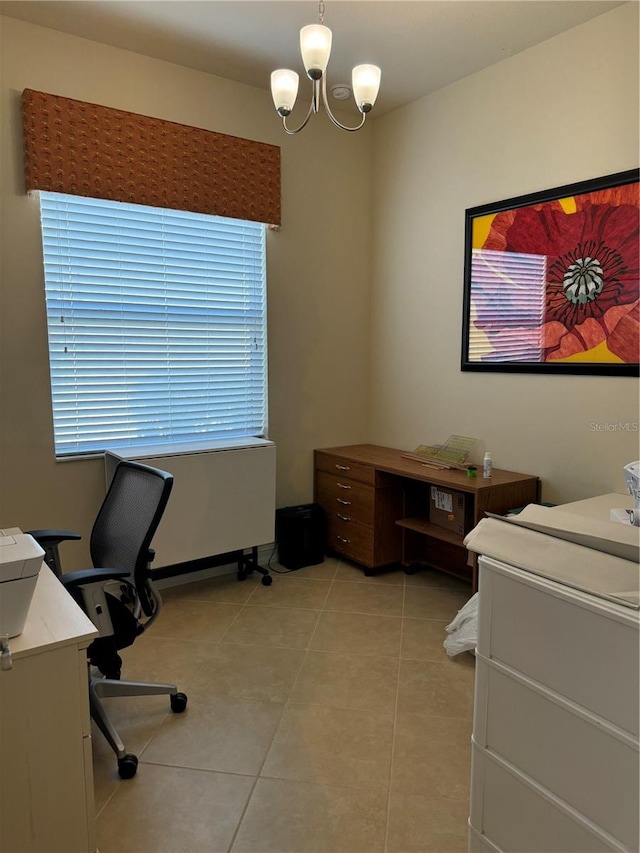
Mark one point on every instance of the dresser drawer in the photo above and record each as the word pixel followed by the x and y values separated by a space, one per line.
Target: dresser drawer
pixel 347 497
pixel 575 647
pixel 345 467
pixel 559 749
pixel 350 538
pixel 518 815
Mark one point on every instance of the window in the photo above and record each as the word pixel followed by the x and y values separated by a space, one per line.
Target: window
pixel 157 324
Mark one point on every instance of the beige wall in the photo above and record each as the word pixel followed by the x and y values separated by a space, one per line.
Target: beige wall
pixel 318 271
pixel 563 111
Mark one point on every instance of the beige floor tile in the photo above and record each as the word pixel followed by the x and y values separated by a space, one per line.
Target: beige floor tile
pixel 422 639
pixel 357 633
pixel 351 572
pixel 333 746
pixel 431 578
pixel 434 602
pixel 225 588
pixel 136 718
pixel 173 810
pixel 247 672
pixel 320 719
pixel 105 779
pixel 379 599
pixel 292 817
pixel 359 682
pixel 425 825
pixel 292 591
pixel 228 735
pixel 436 689
pixel 432 756
pixel 202 621
pixel 162 660
pixel 323 571
pixel 287 627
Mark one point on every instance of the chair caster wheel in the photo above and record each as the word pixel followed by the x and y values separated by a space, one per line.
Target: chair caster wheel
pixel 267 580
pixel 178 702
pixel 127 766
pixel 242 576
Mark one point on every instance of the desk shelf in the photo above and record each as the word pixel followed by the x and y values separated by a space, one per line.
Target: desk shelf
pixel 428 528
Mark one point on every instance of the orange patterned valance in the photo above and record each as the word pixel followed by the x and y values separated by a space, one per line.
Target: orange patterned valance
pixel 88 150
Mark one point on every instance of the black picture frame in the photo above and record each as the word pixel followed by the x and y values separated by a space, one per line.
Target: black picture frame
pixel 587 268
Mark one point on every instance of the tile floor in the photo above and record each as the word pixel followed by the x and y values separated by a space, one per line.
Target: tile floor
pixel 324 717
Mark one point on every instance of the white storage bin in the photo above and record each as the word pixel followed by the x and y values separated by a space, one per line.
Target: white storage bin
pixel 559 638
pixel 517 817
pixel 587 764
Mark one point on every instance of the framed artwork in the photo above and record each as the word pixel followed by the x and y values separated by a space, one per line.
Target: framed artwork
pixel 551 281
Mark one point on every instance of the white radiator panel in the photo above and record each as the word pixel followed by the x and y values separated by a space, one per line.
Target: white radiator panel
pixel 222 500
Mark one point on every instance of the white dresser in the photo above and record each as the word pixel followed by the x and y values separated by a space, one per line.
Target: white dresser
pixel 555 736
pixel 46 778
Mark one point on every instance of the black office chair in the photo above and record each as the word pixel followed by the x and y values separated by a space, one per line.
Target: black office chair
pixel 118 595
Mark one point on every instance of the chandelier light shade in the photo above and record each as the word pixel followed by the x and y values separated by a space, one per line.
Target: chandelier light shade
pixel 315 47
pixel 365 83
pixel 284 90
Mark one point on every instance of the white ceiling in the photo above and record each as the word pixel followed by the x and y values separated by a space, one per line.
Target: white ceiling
pixel 421 45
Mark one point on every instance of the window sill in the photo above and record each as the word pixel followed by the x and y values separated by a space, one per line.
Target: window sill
pixel 155 451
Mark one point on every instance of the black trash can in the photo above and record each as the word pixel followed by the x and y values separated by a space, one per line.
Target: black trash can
pixel 301 535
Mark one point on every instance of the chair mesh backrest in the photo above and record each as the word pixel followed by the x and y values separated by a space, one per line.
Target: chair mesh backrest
pixel 128 518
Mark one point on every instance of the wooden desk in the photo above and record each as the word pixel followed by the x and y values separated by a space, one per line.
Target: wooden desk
pixel 377 504
pixel 46 783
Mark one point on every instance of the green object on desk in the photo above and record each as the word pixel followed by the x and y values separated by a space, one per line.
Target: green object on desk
pixel 472 471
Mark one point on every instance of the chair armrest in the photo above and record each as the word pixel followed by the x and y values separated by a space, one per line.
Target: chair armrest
pixel 50 536
pixel 72 580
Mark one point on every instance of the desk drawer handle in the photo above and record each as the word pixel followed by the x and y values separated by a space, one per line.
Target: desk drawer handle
pixel 343 540
pixel 343 467
pixel 343 502
pixel 342 486
pixel 343 517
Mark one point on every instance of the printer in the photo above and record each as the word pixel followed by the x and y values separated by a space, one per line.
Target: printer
pixel 20 561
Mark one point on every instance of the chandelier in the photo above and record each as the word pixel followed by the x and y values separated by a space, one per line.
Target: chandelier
pixel 315 47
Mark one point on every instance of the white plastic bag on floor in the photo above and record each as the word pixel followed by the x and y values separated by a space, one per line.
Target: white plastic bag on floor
pixel 462 632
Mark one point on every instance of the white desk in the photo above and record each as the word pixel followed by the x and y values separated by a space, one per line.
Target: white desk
pixel 46 780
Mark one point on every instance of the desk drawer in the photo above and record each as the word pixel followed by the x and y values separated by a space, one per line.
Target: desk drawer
pixel 347 497
pixel 350 538
pixel 345 468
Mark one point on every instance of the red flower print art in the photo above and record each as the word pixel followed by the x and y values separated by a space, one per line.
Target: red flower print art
pixel 561 277
pixel 592 268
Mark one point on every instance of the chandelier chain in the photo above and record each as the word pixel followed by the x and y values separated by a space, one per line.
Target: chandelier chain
pixel 321 12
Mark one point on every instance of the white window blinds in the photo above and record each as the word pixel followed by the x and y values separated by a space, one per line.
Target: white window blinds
pixel 157 326
pixel 507 306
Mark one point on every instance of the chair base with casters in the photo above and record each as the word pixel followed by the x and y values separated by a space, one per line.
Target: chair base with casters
pixel 109 687
pixel 123 613
pixel 249 563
